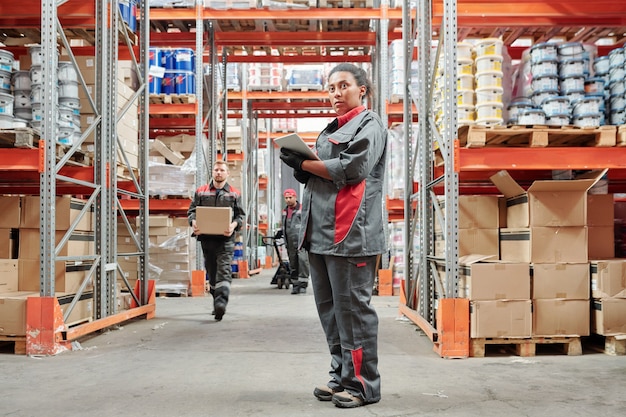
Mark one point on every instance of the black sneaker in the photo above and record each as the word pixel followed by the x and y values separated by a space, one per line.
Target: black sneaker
pixel 346 400
pixel 219 312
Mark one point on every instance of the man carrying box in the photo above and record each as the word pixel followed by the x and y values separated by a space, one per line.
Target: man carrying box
pixel 218 248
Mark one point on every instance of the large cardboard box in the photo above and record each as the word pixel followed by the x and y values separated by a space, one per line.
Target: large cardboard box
pixel 471 242
pixel 476 212
pixel 213 220
pixel 608 316
pixel 8 243
pixel 494 280
pixel 600 242
pixel 502 318
pixel 8 275
pixel 13 313
pixel 79 244
pixel 10 209
pixel 67 209
pixel 600 210
pixel 558 317
pixel 608 278
pixel 29 275
pixel 82 311
pixel 560 280
pixel 544 244
pixel 546 203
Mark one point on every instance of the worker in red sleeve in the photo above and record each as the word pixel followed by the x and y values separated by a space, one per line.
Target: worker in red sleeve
pixel 343 230
pixel 298 257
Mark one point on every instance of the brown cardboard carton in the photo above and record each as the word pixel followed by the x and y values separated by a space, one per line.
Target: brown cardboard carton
pixel 502 318
pixel 13 312
pixel 494 280
pixel 557 317
pixel 7 243
pixel 600 210
pixel 213 220
pixel 560 280
pixel 79 244
pixel 546 203
pixel 608 278
pixel 608 316
pixel 476 212
pixel 601 242
pixel 29 275
pixel 67 209
pixel 8 275
pixel 10 209
pixel 544 244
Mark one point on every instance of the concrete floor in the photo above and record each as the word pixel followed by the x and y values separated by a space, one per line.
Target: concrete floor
pixel 267 355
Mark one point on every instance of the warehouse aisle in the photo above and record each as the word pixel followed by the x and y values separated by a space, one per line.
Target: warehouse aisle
pixel 267 355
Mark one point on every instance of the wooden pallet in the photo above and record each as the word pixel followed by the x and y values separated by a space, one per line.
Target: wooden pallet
pixel 346 4
pixel 621 136
pixel 536 136
pixel 172 98
pixel 526 346
pixel 16 344
pixel 614 345
pixel 23 137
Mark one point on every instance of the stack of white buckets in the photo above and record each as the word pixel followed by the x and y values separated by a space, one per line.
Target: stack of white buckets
pixel 6 99
pixel 28 89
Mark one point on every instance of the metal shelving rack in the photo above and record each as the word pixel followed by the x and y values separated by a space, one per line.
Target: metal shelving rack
pixel 46 330
pixel 423 292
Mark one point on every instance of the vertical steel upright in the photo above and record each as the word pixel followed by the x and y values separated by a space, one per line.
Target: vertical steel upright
pixel 47 146
pixel 423 287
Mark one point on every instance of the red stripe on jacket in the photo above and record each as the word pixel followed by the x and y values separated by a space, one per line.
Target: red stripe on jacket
pixel 347 205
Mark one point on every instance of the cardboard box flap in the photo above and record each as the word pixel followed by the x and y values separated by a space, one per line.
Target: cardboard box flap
pixel 595 175
pixel 560 185
pixel 473 258
pixel 506 184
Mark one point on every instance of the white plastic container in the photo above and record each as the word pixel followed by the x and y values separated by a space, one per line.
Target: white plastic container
pixel 465 97
pixel 556 106
pixel 464 50
pixel 25 113
pixel 572 67
pixel 6 122
pixel 574 96
pixel 489 111
pixel 465 66
pixel 36 55
pixel 465 113
pixel 5 81
pixel 617 116
pixel 587 105
pixel 68 90
pixel 489 95
pixel 21 80
pixel 530 117
pixel 545 82
pixel 618 101
pixel 6 104
pixel 36 94
pixel 489 63
pixel 571 49
pixel 587 120
pixel 36 75
pixel 616 57
pixel 67 73
pixel 517 106
pixel 544 51
pixel 558 120
pixel 601 65
pixel 539 96
pixel 6 60
pixel 617 87
pixel 71 102
pixel 494 121
pixel 37 112
pixel 594 85
pixel 488 46
pixel 488 79
pixel 465 82
pixel 545 67
pixel 573 83
pixel 616 74
pixel 21 99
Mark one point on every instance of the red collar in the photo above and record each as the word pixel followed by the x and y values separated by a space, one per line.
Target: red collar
pixel 342 120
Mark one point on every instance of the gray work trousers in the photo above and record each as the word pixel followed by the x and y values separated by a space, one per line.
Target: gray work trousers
pixel 343 290
pixel 218 256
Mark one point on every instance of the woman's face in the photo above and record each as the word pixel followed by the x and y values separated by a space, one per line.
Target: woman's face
pixel 344 93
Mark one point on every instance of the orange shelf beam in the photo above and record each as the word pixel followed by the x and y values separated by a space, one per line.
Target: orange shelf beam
pixel 189 108
pixel 167 205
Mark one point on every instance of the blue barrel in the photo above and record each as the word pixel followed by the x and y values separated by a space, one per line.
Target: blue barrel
pixel 168 85
pixel 234 267
pixel 169 59
pixel 155 59
pixel 132 15
pixel 154 84
pixel 125 10
pixel 184 59
pixel 185 82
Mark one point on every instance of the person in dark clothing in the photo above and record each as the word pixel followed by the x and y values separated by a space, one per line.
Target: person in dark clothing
pixel 218 250
pixel 343 230
pixel 298 258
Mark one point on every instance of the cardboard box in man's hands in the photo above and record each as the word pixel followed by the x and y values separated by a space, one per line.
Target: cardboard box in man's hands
pixel 213 220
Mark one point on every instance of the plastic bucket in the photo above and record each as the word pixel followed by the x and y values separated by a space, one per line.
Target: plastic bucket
pixel 574 96
pixel 489 63
pixel 65 132
pixel 21 80
pixel 125 9
pixel 545 67
pixel 545 82
pixel 488 46
pixel 517 106
pixel 601 65
pixel 557 120
pixel 184 59
pixel 36 94
pixel 489 95
pixel 464 50
pixel 168 86
pixel 185 82
pixel 587 105
pixel 573 83
pixel 25 113
pixel 155 57
pixel 465 82
pixel 618 116
pixel 465 66
pixel 587 120
pixel 5 81
pixel 21 99
pixel 594 85
pixel 66 113
pixel 617 87
pixel 6 60
pixel 543 52
pixel 616 74
pixel 6 104
pixel 68 89
pixel 6 122
pixel 616 57
pixel 495 121
pixel 36 75
pixel 168 59
pixel 489 79
pixel 489 111
pixel 539 96
pixel 532 117
pixel 465 97
pixel 36 56
pixel 556 105
pixel 571 49
pixel 618 101
pixel 67 73
pixel 37 112
pixel 465 113
pixel 572 67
